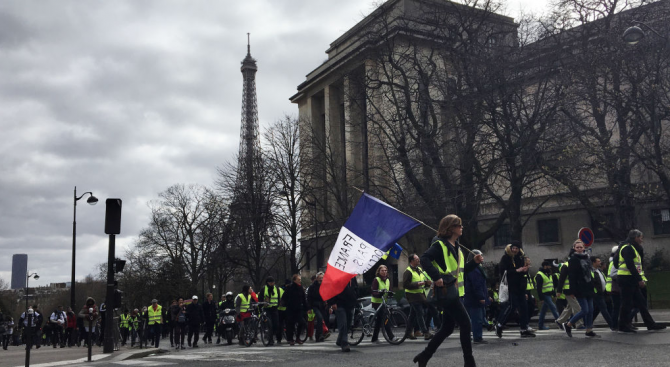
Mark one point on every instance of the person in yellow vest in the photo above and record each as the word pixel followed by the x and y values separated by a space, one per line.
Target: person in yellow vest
pixel 530 286
pixel 612 287
pixel 124 326
pixel 155 321
pixel 379 284
pixel 415 281
pixel 631 280
pixel 599 286
pixel 544 282
pixel 443 262
pixel 242 303
pixel 514 265
pixel 272 295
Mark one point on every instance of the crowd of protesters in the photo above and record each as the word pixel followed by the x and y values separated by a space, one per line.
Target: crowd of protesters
pixel 443 291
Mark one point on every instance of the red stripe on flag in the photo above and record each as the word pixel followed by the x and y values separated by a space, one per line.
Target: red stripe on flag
pixel 334 282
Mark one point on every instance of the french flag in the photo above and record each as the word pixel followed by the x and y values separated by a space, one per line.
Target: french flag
pixel 370 231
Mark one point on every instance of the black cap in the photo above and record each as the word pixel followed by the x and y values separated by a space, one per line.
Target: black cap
pixel 270 280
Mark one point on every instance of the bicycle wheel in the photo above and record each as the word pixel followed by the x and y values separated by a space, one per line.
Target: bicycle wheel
pixel 303 334
pixel 265 327
pixel 357 330
pixel 249 332
pixel 395 324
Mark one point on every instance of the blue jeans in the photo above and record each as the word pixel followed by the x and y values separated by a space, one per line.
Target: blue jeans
pixel 477 318
pixel 599 302
pixel 586 312
pixel 547 304
pixel 345 318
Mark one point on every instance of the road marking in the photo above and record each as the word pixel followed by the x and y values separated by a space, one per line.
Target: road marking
pixel 94 358
pixel 137 362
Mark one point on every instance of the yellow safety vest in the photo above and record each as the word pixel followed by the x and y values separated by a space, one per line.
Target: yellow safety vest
pixel 310 315
pixel 608 280
pixel 274 299
pixel 529 282
pixel 453 267
pixel 383 285
pixel 416 277
pixel 547 283
pixel 155 316
pixel 134 322
pixel 623 268
pixel 124 321
pixel 244 304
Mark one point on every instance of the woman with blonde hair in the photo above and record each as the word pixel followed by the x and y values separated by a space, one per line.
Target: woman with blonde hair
pixel 381 283
pixel 444 264
pixel 581 284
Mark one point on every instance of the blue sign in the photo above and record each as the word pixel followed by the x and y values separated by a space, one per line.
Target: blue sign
pixel 586 235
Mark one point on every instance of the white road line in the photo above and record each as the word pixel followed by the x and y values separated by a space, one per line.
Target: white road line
pixel 96 357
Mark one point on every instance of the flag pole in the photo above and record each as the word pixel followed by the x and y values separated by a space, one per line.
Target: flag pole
pixel 421 222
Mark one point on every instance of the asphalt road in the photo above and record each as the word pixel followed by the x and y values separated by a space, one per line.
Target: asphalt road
pixel 550 348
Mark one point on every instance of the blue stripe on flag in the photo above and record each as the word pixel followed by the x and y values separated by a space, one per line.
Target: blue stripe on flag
pixel 378 223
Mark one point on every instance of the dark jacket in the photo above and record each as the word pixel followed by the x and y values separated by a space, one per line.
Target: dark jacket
pixel 294 299
pixel 579 273
pixel 475 288
pixel 516 281
pixel 434 253
pixel 194 314
pixel 348 297
pixel 314 299
pixel 209 311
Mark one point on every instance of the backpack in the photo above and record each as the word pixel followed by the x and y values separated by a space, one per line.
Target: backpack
pixel 181 317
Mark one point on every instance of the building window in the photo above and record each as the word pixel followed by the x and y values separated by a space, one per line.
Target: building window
pixel 319 258
pixel 547 230
pixel 661 220
pixel 599 231
pixel 502 236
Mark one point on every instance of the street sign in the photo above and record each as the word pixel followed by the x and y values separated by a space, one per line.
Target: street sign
pixel 586 235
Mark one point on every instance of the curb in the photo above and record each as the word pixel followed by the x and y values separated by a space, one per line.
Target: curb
pixel 137 354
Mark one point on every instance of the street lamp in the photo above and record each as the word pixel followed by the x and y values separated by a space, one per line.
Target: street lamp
pixel 91 200
pixel 635 34
pixel 28 276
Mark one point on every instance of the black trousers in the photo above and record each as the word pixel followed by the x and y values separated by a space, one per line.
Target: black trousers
pixel 631 296
pixel 179 331
pixel 277 329
pixel 292 319
pixel 57 335
pixel 193 332
pixel 209 329
pixel 453 313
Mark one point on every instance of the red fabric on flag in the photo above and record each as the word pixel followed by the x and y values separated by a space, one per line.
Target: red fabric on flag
pixel 334 282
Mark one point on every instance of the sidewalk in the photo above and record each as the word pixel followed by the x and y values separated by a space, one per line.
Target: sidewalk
pixel 49 357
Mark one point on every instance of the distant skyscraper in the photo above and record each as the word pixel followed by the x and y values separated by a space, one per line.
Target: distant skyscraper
pixel 19 270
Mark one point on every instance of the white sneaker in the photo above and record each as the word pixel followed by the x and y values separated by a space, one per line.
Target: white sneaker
pixel 530 329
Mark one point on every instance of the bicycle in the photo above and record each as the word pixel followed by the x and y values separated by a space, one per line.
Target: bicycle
pixel 393 320
pixel 257 323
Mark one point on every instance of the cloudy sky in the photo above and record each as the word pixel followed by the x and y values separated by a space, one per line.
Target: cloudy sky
pixel 126 98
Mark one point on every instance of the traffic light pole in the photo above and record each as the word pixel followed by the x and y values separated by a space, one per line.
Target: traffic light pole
pixel 108 346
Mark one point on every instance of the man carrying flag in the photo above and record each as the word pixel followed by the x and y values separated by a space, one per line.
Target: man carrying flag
pixel 370 231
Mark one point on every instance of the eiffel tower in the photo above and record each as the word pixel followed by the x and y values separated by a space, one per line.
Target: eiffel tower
pixel 250 149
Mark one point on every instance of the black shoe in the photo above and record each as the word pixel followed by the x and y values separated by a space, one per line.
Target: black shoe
pixel 218 340
pixel 626 330
pixel 346 348
pixel 422 359
pixel 591 334
pixel 499 330
pixel 195 346
pixel 527 334
pixel 568 329
pixel 656 327
pixel 480 341
pixel 560 326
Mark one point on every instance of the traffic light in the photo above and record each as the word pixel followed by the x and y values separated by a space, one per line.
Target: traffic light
pixel 113 216
pixel 118 298
pixel 119 265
